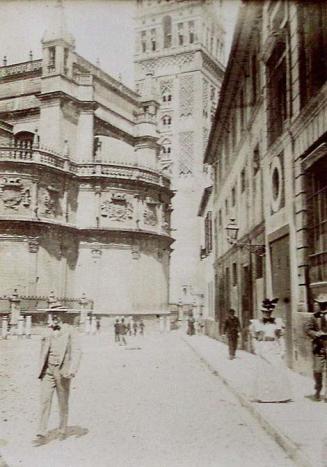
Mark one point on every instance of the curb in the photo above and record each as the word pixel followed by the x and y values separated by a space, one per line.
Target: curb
pixel 292 449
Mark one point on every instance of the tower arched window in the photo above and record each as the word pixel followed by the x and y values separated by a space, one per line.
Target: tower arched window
pixel 166 24
pixel 180 34
pixel 165 149
pixel 143 41
pixel 166 120
pixel 166 96
pixel 191 32
pixel 153 40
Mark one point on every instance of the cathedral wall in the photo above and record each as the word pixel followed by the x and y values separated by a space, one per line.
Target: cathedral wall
pixel 20 87
pixel 123 277
pixel 14 260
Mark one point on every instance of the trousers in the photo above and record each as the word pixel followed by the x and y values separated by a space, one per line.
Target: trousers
pixel 232 345
pixel 53 380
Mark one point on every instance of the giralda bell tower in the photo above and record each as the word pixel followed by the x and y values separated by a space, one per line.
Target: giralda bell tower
pixel 181 44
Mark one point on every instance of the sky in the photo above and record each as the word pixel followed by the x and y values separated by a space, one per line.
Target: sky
pixel 103 30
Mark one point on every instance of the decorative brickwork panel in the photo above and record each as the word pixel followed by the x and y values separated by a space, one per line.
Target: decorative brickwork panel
pixel 186 95
pixel 166 86
pixel 186 150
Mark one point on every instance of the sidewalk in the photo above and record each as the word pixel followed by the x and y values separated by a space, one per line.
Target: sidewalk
pixel 300 426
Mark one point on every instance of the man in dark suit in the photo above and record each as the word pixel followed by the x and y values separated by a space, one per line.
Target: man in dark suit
pixel 232 328
pixel 59 362
pixel 316 329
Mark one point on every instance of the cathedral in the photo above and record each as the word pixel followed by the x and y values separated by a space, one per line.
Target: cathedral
pixel 84 205
pixel 100 185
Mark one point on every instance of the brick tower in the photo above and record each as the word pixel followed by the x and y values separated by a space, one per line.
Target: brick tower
pixel 181 44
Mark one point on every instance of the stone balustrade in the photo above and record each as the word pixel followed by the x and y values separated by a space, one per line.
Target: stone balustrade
pixel 46 157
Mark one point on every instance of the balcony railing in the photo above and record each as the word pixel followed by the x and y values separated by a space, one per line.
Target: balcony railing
pixel 49 158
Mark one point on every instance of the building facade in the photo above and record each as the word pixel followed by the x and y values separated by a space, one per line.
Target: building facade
pixel 268 151
pixel 181 44
pixel 84 205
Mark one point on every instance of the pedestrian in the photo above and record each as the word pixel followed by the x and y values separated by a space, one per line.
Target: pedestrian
pixel 190 325
pixel 316 329
pixel 232 328
pixel 117 329
pixel 123 331
pixel 129 328
pixel 135 327
pixel 59 363
pixel 141 326
pixel 271 383
pixel 98 324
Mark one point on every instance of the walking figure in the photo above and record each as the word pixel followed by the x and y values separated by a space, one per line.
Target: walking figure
pixel 59 362
pixel 190 325
pixel 123 331
pixel 116 328
pixel 316 329
pixel 232 328
pixel 135 327
pixel 142 326
pixel 129 328
pixel 98 324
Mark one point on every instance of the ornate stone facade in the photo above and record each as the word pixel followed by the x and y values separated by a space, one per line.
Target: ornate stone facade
pixel 81 190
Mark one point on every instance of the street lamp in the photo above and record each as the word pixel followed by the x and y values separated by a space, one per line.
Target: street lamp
pixel 232 234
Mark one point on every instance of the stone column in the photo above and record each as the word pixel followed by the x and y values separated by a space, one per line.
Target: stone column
pixel 20 327
pixel 87 326
pixel 83 310
pixel 14 308
pixel 93 325
pixel 28 326
pixel 4 329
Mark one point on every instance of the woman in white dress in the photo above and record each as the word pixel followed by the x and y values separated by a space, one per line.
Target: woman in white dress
pixel 271 380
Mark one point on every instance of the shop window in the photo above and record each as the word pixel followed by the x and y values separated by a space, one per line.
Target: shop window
pixel 317 220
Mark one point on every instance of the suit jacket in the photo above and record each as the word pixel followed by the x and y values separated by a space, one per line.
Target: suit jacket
pixel 311 327
pixel 70 352
pixel 232 326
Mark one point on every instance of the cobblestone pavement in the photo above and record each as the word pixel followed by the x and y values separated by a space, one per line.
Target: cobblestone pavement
pixel 149 404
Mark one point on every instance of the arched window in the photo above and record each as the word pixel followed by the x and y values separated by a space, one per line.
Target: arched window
pixel 166 96
pixel 166 120
pixel 24 139
pixel 165 149
pixel 166 24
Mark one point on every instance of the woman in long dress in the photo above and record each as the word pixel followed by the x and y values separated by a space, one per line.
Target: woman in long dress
pixel 271 380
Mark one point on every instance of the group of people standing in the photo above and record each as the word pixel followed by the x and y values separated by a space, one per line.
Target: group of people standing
pixel 266 334
pixel 122 329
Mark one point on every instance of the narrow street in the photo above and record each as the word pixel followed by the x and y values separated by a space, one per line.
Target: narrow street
pixel 149 404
